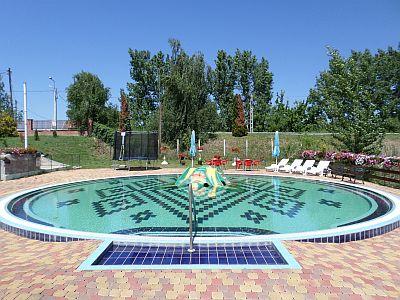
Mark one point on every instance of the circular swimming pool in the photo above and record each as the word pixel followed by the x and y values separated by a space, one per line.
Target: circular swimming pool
pixel 152 207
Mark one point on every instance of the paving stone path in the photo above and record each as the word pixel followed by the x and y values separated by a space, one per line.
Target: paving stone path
pixel 29 269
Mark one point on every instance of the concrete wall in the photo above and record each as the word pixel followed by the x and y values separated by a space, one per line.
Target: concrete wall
pixel 19 166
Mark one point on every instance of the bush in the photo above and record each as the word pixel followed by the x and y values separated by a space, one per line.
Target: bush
pixel 55 133
pixel 36 135
pixel 8 127
pixel 103 133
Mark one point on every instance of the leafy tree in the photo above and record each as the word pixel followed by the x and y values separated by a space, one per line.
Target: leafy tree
pixel 386 85
pixel 345 94
pixel 279 116
pixel 239 127
pixel 87 97
pixel 262 95
pixel 124 122
pixel 147 73
pixel 8 127
pixel 4 99
pixel 109 116
pixel 245 63
pixel 223 88
pixel 186 95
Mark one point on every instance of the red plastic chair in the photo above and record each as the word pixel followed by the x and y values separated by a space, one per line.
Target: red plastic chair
pixel 257 163
pixel 248 163
pixel 239 164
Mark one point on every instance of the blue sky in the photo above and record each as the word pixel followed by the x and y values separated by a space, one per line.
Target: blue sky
pixel 60 38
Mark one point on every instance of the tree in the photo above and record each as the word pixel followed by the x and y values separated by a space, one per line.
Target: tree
pixel 185 97
pixel 346 95
pixel 223 88
pixel 8 127
pixel 147 73
pixel 124 122
pixel 4 99
pixel 245 63
pixel 262 95
pixel 239 127
pixel 87 97
pixel 279 115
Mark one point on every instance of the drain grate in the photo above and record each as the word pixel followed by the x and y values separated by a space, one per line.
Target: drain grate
pixel 122 255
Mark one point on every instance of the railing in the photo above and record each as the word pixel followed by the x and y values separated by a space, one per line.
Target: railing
pixel 373 174
pixel 47 125
pixel 392 176
pixel 191 198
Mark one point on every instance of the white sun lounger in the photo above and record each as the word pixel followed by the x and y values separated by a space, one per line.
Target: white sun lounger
pixel 319 169
pixel 308 164
pixel 276 167
pixel 289 168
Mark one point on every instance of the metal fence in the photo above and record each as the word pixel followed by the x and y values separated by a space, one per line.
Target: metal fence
pixel 47 125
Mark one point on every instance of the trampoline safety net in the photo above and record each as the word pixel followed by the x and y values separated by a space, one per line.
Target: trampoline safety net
pixel 136 146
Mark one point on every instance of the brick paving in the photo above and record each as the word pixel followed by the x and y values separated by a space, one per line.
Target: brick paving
pixel 29 269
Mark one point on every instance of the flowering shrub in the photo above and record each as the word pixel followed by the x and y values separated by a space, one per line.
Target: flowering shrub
pixel 18 151
pixel 354 159
pixel 311 154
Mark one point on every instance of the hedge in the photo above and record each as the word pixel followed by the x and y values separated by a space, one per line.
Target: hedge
pixel 104 133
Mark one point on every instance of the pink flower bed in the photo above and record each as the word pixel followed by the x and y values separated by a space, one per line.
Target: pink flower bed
pixel 354 159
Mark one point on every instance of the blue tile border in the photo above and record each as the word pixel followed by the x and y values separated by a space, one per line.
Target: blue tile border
pixel 357 236
pixel 344 234
pixel 44 237
pixel 91 263
pixel 351 237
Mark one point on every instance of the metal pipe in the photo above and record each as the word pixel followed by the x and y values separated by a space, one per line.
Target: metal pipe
pixel 190 190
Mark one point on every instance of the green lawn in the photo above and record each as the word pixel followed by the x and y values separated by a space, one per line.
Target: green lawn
pixel 68 149
pixel 94 154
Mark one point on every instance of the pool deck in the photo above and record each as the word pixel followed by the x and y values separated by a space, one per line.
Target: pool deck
pixel 29 269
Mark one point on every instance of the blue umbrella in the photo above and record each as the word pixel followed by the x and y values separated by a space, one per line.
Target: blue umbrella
pixel 192 150
pixel 276 151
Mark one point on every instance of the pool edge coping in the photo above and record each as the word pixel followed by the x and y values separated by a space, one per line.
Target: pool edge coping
pixel 388 222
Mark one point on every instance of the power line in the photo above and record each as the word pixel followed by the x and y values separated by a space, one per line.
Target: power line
pixel 36 114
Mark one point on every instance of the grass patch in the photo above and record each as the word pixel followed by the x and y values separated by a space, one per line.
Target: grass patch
pixel 94 154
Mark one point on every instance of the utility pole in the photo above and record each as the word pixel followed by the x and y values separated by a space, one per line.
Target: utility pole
pixel 160 112
pixel 251 115
pixel 54 125
pixel 25 118
pixel 11 95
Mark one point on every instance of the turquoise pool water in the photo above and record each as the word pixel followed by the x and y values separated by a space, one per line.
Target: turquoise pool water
pixel 153 205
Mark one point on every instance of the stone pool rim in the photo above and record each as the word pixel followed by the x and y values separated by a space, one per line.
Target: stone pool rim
pixel 358 231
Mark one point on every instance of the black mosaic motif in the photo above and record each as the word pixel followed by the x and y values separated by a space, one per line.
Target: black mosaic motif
pixel 67 203
pixel 326 190
pixel 142 216
pixel 175 201
pixel 330 203
pixel 75 191
pixel 253 216
pixel 285 190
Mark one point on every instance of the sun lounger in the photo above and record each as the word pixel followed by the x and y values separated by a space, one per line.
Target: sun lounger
pixel 320 169
pixel 308 164
pixel 289 168
pixel 276 167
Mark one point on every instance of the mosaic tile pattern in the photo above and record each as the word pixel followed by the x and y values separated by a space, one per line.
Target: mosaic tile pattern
pixel 127 254
pixel 368 269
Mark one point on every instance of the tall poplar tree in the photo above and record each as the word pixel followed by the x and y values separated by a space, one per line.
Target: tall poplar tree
pixel 223 88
